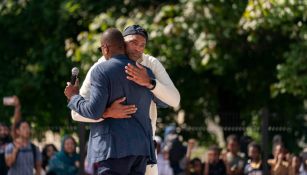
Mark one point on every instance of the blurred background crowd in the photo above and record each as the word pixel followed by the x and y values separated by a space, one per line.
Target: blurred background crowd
pixel 241 156
pixel 229 60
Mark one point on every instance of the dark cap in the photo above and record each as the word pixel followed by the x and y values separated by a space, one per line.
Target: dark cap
pixel 135 30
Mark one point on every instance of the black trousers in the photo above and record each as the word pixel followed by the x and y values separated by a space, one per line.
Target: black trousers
pixel 130 165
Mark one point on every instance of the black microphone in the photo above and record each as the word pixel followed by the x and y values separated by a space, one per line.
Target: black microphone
pixel 74 75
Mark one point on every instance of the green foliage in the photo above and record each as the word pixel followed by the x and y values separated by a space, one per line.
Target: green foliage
pixel 34 65
pixel 224 56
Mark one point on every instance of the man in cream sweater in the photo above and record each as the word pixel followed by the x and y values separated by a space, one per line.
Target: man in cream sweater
pixel 162 86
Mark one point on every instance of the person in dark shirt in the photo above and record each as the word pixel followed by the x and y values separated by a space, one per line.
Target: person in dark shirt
pixel 4 140
pixel 194 166
pixel 48 151
pixel 254 164
pixel 214 165
pixel 233 158
pixel 5 137
pixel 67 160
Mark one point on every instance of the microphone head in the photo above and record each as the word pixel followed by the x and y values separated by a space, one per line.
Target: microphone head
pixel 74 71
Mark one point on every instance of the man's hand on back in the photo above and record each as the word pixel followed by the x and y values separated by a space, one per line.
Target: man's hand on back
pixel 71 90
pixel 118 110
pixel 138 74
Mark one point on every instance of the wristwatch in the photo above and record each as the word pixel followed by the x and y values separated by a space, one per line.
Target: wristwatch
pixel 153 83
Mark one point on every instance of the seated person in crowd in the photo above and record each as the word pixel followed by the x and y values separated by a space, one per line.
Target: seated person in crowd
pixel 66 161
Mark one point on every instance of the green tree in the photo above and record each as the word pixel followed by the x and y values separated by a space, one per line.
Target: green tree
pixel 227 58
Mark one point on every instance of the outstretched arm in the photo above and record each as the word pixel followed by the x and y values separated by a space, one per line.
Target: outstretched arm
pixel 16 116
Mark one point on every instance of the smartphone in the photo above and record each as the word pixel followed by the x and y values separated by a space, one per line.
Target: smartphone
pixel 8 101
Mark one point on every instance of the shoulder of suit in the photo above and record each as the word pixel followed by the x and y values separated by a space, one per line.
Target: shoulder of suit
pixel 100 60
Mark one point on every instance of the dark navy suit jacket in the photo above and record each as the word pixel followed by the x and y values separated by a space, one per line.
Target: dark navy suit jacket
pixel 116 138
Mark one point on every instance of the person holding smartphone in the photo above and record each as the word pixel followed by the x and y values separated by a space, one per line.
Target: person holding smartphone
pixel 5 137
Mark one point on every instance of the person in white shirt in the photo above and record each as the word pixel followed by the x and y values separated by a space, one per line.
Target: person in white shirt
pixel 163 164
pixel 162 86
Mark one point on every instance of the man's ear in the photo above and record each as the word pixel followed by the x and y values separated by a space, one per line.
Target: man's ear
pixel 106 50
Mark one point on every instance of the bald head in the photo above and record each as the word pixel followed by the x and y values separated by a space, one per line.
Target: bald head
pixel 112 42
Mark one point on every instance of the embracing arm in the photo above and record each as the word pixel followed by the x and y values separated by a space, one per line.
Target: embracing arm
pixel 96 104
pixel 85 92
pixel 116 110
pixel 164 89
pixel 79 118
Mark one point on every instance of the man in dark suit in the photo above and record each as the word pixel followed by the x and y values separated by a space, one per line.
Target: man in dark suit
pixel 116 146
